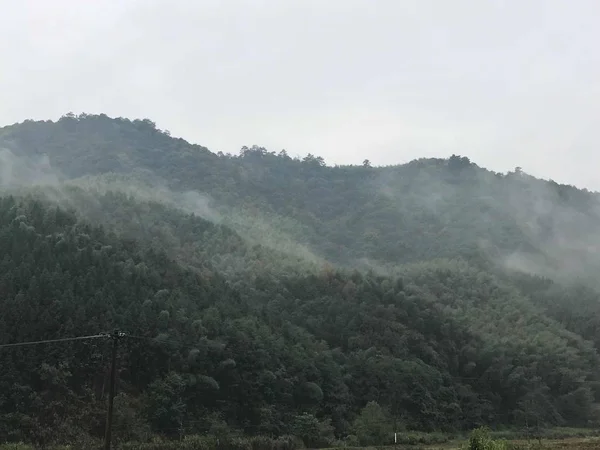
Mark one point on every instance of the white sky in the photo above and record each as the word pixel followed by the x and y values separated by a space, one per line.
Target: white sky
pixel 507 83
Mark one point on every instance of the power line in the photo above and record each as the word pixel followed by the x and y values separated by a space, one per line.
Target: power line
pixel 52 341
pixel 115 336
pixel 149 339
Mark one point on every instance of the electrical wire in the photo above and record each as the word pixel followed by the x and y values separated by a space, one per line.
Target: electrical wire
pixel 94 336
pixel 52 341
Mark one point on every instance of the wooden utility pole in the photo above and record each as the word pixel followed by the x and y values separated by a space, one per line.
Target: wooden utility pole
pixel 111 390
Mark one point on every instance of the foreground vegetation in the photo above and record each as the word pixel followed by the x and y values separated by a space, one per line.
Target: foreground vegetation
pixel 334 305
pixel 479 439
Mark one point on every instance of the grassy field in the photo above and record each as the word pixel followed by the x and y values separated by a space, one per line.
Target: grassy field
pixel 571 443
pixel 550 444
pixel 518 444
pixel 565 438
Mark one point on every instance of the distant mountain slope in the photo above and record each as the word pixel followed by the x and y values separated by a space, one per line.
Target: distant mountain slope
pixel 354 215
pixel 280 295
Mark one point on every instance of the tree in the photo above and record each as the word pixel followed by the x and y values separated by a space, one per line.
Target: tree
pixel 313 432
pixel 373 426
pixel 299 289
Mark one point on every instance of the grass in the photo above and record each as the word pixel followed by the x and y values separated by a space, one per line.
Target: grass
pixel 590 443
pixel 553 439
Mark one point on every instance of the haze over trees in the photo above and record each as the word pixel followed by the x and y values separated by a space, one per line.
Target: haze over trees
pixel 273 295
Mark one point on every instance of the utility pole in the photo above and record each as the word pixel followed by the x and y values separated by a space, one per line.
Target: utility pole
pixel 116 335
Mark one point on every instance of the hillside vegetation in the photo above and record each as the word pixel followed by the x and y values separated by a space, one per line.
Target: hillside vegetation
pixel 270 295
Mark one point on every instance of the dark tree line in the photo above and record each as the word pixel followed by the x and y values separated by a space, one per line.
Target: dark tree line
pixel 422 315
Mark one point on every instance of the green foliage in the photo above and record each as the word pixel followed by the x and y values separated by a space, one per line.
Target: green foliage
pixel 480 439
pixel 212 443
pixel 314 433
pixel 278 296
pixel 372 426
pixel 429 208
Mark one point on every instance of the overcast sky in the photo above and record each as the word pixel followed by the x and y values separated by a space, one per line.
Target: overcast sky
pixel 507 83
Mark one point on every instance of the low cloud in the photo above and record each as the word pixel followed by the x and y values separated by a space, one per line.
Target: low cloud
pixel 16 172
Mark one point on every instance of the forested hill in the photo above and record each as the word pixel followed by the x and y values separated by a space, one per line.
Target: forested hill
pixel 351 214
pixel 270 295
pixel 444 347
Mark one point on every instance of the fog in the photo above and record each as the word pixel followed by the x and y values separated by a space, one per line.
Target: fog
pixel 564 228
pixel 22 175
pixel 21 171
pixel 558 226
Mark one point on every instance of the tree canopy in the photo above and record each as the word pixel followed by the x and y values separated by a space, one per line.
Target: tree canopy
pixel 274 295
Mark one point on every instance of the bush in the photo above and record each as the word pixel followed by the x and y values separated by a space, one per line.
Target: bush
pixel 480 439
pixel 414 437
pixel 16 446
pixel 220 443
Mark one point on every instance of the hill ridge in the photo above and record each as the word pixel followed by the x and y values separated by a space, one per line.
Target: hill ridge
pixel 284 296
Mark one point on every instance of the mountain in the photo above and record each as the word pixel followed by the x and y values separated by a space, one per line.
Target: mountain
pixel 274 295
pixel 349 214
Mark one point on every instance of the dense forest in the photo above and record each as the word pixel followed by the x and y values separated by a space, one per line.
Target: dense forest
pixel 264 294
